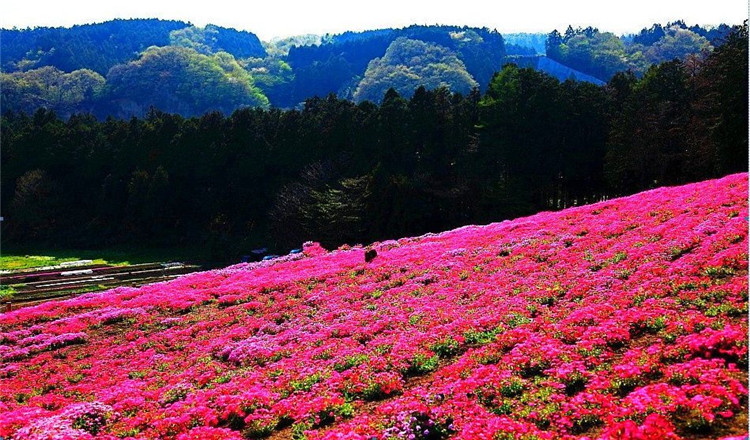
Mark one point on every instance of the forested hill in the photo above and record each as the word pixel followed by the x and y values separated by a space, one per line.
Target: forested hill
pixel 101 46
pixel 122 68
pixel 602 54
pixel 96 47
pixel 455 56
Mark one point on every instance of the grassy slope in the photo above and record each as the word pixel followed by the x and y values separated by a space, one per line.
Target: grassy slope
pixel 19 259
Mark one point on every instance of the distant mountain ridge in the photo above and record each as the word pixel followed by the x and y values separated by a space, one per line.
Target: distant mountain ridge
pixel 102 68
pixel 97 47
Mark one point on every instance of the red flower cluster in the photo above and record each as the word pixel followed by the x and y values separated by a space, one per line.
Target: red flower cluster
pixel 626 319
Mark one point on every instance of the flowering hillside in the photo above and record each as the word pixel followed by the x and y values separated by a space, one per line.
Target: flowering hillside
pixel 623 319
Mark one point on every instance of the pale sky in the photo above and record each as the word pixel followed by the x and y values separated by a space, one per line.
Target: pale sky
pixel 273 18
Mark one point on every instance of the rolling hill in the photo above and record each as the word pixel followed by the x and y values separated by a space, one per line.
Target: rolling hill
pixel 622 319
pixel 88 60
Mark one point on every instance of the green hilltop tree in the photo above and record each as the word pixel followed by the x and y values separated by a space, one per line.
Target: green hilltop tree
pixel 602 54
pixel 202 40
pixel 678 43
pixel 51 88
pixel 408 64
pixel 599 53
pixel 212 39
pixel 181 80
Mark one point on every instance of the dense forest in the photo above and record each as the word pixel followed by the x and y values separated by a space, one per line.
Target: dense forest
pixel 339 171
pixel 161 66
pixel 602 54
pixel 122 68
pixel 96 47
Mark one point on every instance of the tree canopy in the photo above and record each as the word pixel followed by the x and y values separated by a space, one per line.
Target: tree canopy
pixel 97 47
pixel 289 71
pixel 50 87
pixel 181 80
pixel 602 54
pixel 408 64
pixel 212 39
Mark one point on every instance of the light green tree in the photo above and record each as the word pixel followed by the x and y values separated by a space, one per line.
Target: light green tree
pixel 408 64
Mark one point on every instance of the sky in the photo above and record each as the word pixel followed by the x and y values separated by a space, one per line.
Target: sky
pixel 273 18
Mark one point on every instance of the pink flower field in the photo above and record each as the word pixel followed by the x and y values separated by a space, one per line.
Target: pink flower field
pixel 625 319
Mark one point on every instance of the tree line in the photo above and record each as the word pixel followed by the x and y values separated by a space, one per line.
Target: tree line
pixel 338 172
